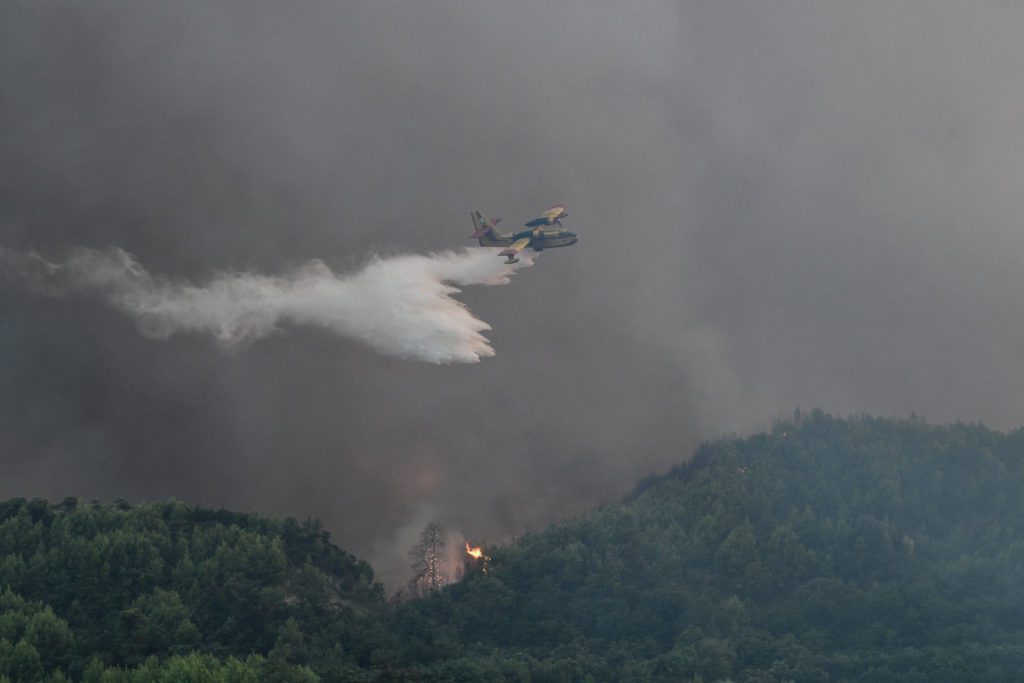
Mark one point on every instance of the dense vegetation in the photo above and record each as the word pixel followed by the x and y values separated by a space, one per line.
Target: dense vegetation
pixel 825 550
pixel 166 591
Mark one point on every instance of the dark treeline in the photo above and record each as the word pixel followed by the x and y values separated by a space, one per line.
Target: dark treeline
pixel 825 550
pixel 169 592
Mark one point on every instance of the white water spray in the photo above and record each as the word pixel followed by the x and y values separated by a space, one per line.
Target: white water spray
pixel 400 305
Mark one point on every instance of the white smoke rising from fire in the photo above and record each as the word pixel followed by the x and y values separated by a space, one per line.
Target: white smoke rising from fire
pixel 399 305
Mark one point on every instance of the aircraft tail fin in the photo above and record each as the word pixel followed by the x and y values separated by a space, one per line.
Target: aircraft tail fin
pixel 485 230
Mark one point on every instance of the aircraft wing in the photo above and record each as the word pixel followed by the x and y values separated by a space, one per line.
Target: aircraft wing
pixel 554 212
pixel 514 249
pixel 550 216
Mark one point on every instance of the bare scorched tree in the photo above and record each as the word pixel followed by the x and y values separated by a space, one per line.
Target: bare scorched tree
pixel 426 560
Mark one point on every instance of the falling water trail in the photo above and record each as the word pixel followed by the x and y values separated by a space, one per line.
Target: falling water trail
pixel 402 305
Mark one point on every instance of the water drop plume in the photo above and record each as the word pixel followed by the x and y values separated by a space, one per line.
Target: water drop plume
pixel 399 305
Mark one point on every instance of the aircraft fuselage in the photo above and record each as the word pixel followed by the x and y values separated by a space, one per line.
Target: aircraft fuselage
pixel 539 239
pixel 546 239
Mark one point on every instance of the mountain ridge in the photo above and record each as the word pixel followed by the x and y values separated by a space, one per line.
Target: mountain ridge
pixel 825 549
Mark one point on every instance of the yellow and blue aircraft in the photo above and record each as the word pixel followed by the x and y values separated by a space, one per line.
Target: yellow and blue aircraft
pixel 537 238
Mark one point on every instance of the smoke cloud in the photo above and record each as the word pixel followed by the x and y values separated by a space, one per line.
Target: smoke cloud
pixel 781 204
pixel 401 305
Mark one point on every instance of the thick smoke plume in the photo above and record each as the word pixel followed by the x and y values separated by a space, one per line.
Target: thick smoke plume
pixel 401 305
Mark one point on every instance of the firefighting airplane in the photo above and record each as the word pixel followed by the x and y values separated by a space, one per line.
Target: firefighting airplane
pixel 537 238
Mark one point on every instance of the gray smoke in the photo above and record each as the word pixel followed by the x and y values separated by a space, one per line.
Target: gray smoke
pixel 780 204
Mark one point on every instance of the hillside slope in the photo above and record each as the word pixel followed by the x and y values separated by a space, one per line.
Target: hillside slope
pixel 826 550
pixel 88 587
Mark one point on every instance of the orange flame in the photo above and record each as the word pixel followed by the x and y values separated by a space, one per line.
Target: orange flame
pixel 474 552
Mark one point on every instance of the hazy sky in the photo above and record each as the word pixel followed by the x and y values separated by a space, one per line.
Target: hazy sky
pixel 779 204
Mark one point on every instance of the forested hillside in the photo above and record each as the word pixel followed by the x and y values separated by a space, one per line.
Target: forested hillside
pixel 825 550
pixel 88 588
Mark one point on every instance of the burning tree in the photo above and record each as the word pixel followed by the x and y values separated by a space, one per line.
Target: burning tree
pixel 426 560
pixel 479 558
